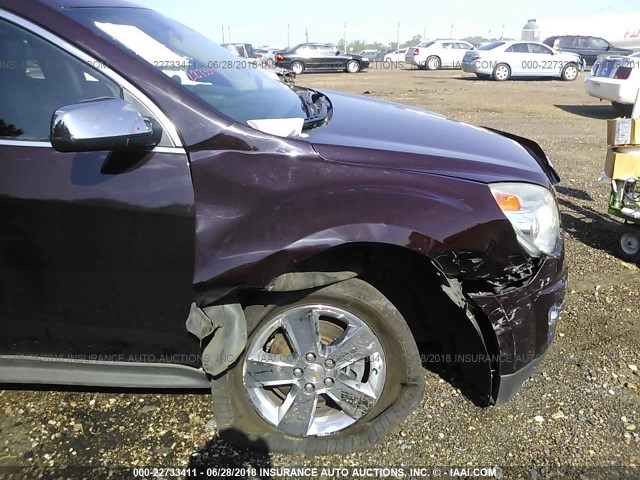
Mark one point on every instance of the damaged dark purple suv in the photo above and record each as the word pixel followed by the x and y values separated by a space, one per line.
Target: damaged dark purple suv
pixel 172 217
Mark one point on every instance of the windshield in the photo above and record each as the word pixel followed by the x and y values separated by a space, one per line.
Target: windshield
pixel 233 86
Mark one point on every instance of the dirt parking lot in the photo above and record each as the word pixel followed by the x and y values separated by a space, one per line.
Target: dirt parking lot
pixel 577 417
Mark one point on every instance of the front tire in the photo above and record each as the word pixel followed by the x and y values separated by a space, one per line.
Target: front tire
pixel 331 371
pixel 297 67
pixel 501 72
pixel 353 66
pixel 569 72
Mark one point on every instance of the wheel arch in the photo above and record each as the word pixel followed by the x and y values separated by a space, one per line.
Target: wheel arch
pixel 456 339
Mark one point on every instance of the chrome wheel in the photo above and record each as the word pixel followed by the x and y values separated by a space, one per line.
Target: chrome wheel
pixel 314 370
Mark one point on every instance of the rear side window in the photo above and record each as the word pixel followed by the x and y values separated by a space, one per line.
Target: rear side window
pixel 36 78
pixel 566 42
pixel 518 48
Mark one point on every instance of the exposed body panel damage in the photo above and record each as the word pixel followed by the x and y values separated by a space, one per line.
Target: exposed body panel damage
pixel 290 282
pixel 229 329
pixel 257 242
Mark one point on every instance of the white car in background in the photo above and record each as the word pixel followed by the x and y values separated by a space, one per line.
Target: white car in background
pixel 396 56
pixel 616 79
pixel 266 55
pixel 438 54
pixel 503 60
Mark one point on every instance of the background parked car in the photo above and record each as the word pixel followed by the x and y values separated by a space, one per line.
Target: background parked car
pixel 266 55
pixel 319 57
pixel 503 60
pixel 396 55
pixel 438 54
pixel 589 48
pixel 369 54
pixel 616 79
pixel 244 50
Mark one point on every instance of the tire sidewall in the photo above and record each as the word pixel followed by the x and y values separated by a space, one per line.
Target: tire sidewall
pixel 386 323
pixel 564 72
pixel 352 62
pixel 433 58
pixel 295 64
pixel 495 70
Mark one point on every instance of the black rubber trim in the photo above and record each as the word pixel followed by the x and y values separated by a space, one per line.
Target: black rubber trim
pixel 510 384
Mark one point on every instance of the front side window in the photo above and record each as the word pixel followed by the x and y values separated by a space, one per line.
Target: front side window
pixel 598 43
pixel 37 78
pixel 232 86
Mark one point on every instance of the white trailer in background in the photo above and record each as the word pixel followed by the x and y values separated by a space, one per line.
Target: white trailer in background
pixel 620 29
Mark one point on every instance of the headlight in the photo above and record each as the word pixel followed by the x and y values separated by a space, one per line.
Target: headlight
pixel 533 212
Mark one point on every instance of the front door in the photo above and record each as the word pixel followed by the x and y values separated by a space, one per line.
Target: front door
pixel 96 249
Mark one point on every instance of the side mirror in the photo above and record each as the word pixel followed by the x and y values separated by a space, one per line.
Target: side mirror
pixel 102 124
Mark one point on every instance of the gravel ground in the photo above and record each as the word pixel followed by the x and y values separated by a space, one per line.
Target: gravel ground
pixel 577 417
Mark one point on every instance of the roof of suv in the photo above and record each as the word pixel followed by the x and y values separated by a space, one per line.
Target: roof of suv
pixel 63 4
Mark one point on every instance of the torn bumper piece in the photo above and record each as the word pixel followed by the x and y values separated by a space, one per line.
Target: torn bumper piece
pixel 229 328
pixel 524 322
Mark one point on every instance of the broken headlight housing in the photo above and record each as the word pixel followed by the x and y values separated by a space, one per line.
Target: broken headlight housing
pixel 533 212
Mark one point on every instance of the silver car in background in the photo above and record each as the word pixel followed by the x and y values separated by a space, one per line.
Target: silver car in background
pixel 438 54
pixel 503 60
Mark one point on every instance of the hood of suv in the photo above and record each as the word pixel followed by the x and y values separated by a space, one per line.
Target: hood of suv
pixel 370 132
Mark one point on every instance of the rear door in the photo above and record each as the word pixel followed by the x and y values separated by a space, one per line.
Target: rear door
pixel 309 55
pixel 96 257
pixel 447 53
pixel 519 59
pixel 328 58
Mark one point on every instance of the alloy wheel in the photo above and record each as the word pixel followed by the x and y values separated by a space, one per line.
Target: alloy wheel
pixel 314 370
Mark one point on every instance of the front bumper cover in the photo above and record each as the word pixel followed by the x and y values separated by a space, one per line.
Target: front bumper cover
pixel 524 322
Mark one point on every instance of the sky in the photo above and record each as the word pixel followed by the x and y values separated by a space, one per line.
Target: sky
pixel 273 22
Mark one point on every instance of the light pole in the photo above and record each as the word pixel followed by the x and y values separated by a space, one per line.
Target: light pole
pixel 288 36
pixel 398 44
pixel 229 33
pixel 451 30
pixel 223 34
pixel 502 32
pixel 344 38
pixel 306 35
pixel 424 33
